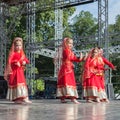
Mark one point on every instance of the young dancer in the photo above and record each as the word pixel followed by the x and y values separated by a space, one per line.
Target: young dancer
pixel 66 85
pixel 93 76
pixel 14 73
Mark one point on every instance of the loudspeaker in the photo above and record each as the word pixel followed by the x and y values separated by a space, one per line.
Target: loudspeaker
pixel 3 87
pixel 50 89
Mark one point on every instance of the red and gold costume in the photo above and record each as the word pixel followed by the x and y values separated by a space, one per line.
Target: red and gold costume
pixel 66 85
pixel 14 74
pixel 93 77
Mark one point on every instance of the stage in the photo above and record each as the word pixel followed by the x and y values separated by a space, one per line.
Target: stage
pixel 52 109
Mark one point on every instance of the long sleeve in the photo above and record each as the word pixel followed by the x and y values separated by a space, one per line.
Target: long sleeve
pixel 12 59
pixel 69 55
pixel 108 63
pixel 16 57
pixel 26 60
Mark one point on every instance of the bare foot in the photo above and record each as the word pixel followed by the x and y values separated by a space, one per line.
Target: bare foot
pixel 27 101
pixel 75 101
pixel 63 101
pixel 107 101
pixel 98 100
pixel 90 101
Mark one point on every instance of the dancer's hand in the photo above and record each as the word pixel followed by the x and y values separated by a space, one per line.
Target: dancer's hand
pixel 18 64
pixel 24 63
pixel 81 56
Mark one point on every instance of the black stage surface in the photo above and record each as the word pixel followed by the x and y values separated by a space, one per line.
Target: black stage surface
pixel 52 109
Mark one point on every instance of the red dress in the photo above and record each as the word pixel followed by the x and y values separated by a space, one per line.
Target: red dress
pixel 17 88
pixel 66 85
pixel 93 83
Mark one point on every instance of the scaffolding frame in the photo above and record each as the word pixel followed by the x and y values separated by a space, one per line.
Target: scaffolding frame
pixel 30 10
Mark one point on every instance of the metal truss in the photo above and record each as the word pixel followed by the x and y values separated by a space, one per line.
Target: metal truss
pixel 103 25
pixel 49 4
pixel 12 15
pixel 44 52
pixel 51 53
pixel 111 50
pixel 21 10
pixel 5 31
pixel 103 29
pixel 58 32
pixel 48 51
pixel 45 5
pixel 114 49
pixel 30 26
pixel 3 38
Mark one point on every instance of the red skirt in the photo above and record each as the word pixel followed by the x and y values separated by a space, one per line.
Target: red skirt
pixel 94 87
pixel 66 85
pixel 17 88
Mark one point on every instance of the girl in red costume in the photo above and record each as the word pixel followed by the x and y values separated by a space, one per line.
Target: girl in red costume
pixel 14 73
pixel 66 85
pixel 93 76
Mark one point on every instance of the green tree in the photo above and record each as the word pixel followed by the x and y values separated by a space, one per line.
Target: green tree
pixel 45 24
pixel 114 32
pixel 114 40
pixel 84 24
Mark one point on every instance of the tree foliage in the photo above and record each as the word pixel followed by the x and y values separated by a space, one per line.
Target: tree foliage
pixel 84 24
pixel 114 38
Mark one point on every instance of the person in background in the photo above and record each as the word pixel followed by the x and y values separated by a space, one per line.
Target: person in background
pixel 14 73
pixel 93 76
pixel 66 84
pixel 101 52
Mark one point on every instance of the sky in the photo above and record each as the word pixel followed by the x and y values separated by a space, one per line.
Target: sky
pixel 113 10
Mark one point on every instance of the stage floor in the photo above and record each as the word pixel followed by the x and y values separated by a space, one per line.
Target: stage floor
pixel 52 109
